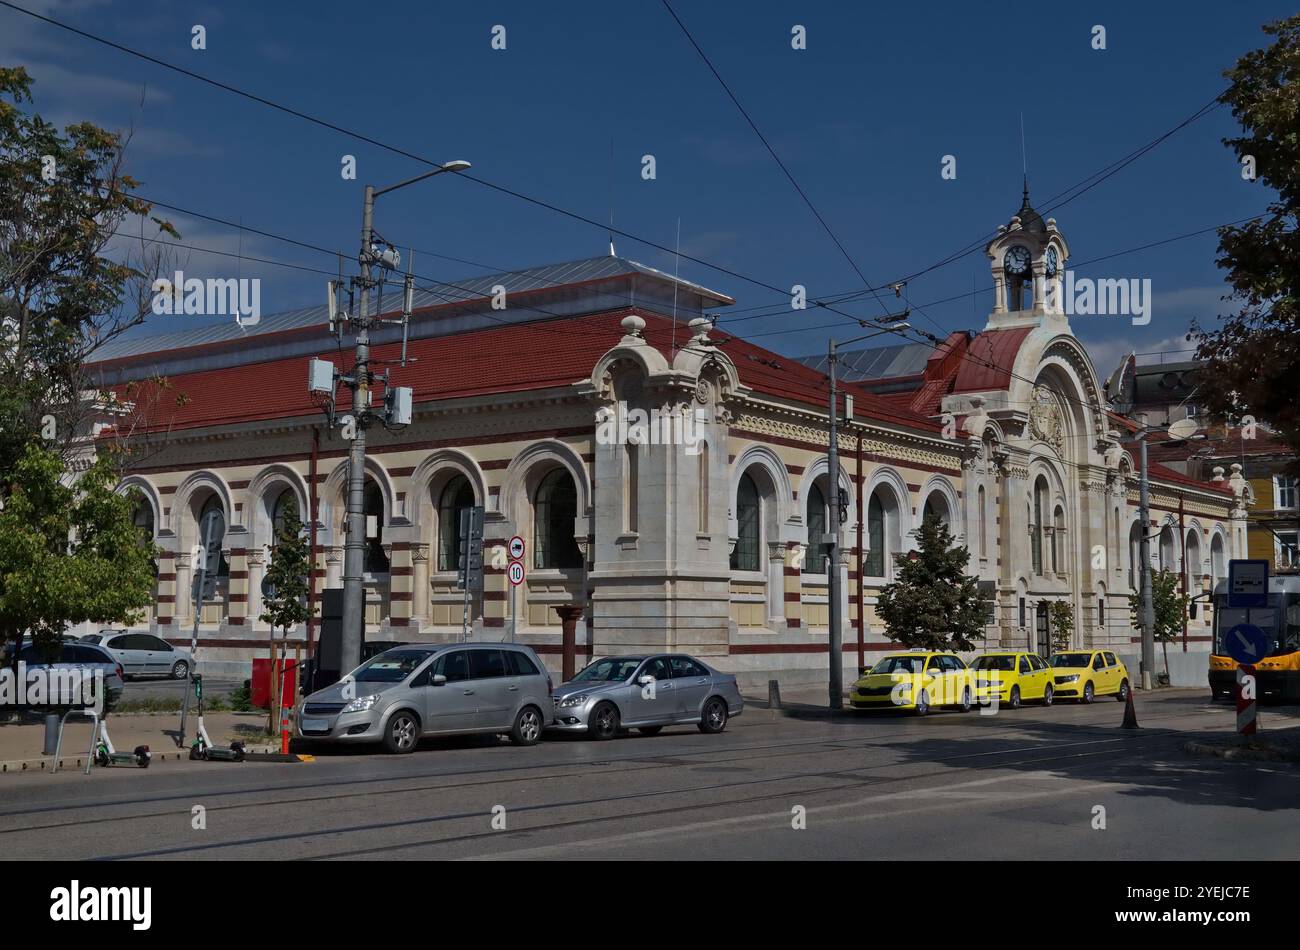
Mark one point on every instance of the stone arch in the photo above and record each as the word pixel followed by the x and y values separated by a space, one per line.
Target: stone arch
pixel 333 504
pixel 778 478
pixel 525 473
pixel 896 525
pixel 431 475
pixel 938 485
pixel 151 498
pixel 260 495
pixel 189 498
pixel 818 471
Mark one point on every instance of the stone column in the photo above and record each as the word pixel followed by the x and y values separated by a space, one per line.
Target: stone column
pixel 184 603
pixel 793 588
pixel 569 615
pixel 400 574
pixel 776 560
pixel 257 563
pixel 419 582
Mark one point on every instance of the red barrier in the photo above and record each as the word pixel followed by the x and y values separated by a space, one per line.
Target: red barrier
pixel 260 686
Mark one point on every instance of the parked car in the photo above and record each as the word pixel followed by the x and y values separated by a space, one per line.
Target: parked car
pixel 1013 678
pixel 143 654
pixel 646 693
pixel 71 654
pixel 310 679
pixel 917 680
pixel 418 690
pixel 1086 674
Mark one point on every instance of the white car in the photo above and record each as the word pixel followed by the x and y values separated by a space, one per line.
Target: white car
pixel 143 654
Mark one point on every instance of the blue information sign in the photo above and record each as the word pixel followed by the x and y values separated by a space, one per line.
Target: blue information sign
pixel 1247 643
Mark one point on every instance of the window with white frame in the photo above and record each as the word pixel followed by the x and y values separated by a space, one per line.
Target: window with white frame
pixel 1284 491
pixel 1288 549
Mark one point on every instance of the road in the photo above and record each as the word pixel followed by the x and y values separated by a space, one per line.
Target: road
pixel 1020 784
pixel 156 687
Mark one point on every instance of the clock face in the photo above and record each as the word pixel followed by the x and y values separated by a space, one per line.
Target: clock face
pixel 1052 262
pixel 1017 260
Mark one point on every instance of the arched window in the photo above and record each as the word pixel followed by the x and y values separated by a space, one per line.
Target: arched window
pixel 1168 549
pixel 748 541
pixel 1134 554
pixel 1218 563
pixel 213 504
pixel 631 485
pixel 981 525
pixel 1058 540
pixel 815 561
pixel 1192 562
pixel 373 506
pixel 1039 526
pixel 142 518
pixel 882 531
pixel 555 508
pixel 279 509
pixel 937 505
pixel 456 496
pixel 704 489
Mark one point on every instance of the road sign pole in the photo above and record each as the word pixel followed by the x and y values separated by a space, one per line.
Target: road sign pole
pixel 1247 721
pixel 208 530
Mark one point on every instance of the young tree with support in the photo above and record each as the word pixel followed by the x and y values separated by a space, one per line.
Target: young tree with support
pixel 284 603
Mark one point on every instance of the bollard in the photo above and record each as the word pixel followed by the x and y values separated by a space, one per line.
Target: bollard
pixel 773 694
pixel 51 734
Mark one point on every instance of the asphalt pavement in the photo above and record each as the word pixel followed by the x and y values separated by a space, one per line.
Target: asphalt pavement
pixel 1061 783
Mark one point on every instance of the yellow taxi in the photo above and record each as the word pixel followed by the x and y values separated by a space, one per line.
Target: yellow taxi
pixel 918 680
pixel 1086 674
pixel 1012 678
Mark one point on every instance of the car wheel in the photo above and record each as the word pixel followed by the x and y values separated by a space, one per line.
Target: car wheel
pixel 1048 695
pixel 650 730
pixel 1122 695
pixel 1087 693
pixel 528 727
pixel 923 703
pixel 714 718
pixel 180 670
pixel 1014 700
pixel 965 701
pixel 402 734
pixel 604 721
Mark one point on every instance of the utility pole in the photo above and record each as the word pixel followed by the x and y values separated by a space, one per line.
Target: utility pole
pixel 832 536
pixel 833 548
pixel 396 410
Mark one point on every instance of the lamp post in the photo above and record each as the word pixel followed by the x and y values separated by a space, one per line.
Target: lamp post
pixel 832 536
pixel 359 385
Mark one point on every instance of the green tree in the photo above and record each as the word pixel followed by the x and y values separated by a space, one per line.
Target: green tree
pixel 1169 607
pixel 68 552
pixel 285 603
pixel 932 603
pixel 1060 615
pixel 68 281
pixel 1253 358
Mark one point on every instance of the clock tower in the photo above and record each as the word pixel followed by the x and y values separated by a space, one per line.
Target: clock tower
pixel 1027 258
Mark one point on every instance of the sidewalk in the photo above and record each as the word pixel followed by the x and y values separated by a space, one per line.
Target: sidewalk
pixel 21 743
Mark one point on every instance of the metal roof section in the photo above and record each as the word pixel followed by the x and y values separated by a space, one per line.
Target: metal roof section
pixel 885 362
pixel 591 285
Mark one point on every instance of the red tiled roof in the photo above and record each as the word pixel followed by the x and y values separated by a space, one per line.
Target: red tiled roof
pixel 514 358
pixel 992 356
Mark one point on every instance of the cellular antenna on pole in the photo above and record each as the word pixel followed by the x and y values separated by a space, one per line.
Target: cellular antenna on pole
pixel 677 263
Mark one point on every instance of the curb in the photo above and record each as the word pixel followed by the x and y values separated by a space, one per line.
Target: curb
pixel 46 763
pixel 1241 753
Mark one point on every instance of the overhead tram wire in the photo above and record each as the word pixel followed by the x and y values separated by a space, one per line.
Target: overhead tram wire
pixel 603 226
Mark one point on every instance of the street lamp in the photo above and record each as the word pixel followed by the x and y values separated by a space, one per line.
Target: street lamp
pixel 359 385
pixel 832 537
pixel 1181 431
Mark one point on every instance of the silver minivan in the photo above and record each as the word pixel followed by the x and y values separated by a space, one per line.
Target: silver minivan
pixel 418 690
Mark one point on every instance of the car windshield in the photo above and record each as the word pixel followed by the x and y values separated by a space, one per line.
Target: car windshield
pixel 392 666
pixel 1071 659
pixel 91 638
pixel 899 664
pixel 614 669
pixel 1007 664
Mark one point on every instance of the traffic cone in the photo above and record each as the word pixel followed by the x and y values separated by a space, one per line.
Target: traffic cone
pixel 1130 714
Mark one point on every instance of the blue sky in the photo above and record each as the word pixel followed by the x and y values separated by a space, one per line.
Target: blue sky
pixel 862 118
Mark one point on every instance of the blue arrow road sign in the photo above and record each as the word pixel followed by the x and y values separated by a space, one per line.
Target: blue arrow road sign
pixel 1247 643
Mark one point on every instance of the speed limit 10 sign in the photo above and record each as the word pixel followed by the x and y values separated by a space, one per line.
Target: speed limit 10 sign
pixel 516 548
pixel 516 573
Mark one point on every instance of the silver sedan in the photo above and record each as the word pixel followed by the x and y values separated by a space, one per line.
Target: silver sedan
pixel 645 693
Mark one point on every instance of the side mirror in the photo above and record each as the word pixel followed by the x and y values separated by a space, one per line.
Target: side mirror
pixel 645 680
pixel 437 680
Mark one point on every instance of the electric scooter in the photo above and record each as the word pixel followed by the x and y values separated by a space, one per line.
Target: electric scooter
pixel 106 755
pixel 203 747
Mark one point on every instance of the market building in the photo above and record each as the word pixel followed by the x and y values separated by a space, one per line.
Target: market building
pixel 705 536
